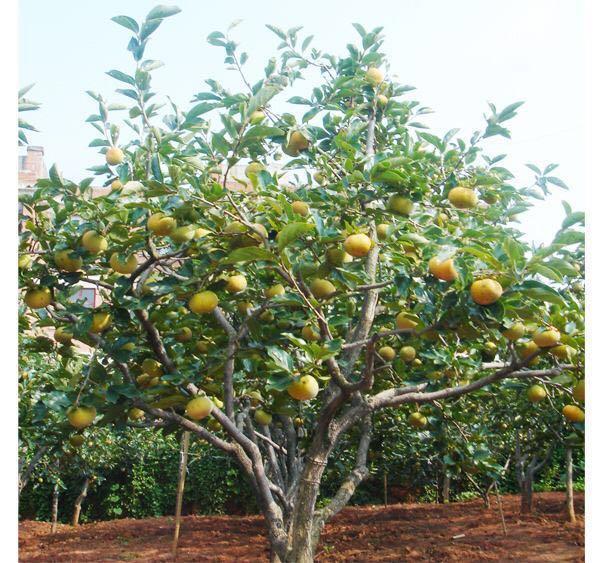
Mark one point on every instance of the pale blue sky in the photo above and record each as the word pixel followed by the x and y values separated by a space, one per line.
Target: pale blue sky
pixel 459 54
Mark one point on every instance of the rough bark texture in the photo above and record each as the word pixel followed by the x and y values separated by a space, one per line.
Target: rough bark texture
pixel 79 501
pixel 446 488
pixel 569 485
pixel 25 473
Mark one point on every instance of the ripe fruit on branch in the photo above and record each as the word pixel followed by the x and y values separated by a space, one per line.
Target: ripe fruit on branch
pixel 309 333
pixel 374 76
pixel 489 351
pixel 184 334
pixel 160 224
pixel 358 245
pixel 100 322
pixel 257 117
pixel 62 335
pixel 304 389
pixel 536 393
pixel 528 350
pixel 202 347
pixel 253 169
pixel 579 391
pixel 236 283
pixel 401 205
pixel 387 353
pixel 322 289
pixel 443 270
pixel 337 256
pixel 382 100
pixel 462 198
pixel 547 338
pixel 516 331
pixel 573 413
pixel 417 420
pixel 203 302
pixel 136 414
pixel 403 321
pixel 115 185
pixel 383 231
pixel 262 417
pixel 114 156
pixel 274 291
pixel 67 261
pixel 408 353
pixel 301 208
pixel 199 408
pixel 38 298
pixel 183 234
pixel 152 367
pixel 297 142
pixel 81 417
pixel 77 440
pixel 94 242
pixel 563 352
pixel 123 266
pixel 486 291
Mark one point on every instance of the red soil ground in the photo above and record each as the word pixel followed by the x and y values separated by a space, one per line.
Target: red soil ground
pixel 400 532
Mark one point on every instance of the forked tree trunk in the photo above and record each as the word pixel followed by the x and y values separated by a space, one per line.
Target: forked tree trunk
pixel 79 501
pixel 54 509
pixel 527 494
pixel 569 485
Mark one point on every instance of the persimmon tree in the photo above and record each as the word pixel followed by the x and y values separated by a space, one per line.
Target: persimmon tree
pixel 361 263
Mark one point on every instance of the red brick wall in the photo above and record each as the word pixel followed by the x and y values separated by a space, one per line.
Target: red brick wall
pixel 31 166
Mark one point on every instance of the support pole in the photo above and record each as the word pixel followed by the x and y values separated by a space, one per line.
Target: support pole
pixel 183 457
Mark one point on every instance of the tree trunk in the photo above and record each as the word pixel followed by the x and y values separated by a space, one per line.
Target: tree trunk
pixel 527 494
pixel 485 495
pixel 79 501
pixel 54 509
pixel 446 488
pixel 183 457
pixel 569 485
pixel 25 473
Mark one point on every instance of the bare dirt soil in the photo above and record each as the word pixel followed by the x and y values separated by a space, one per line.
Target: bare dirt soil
pixel 400 532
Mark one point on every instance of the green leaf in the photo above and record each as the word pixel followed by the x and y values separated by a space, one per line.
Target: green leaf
pixel 281 358
pixel 537 290
pixel 127 22
pixel 199 110
pixel 573 218
pixel 291 232
pixel 161 11
pixel 483 255
pixel 118 75
pixel 249 254
pixel 262 131
pixel 262 97
pixel 557 182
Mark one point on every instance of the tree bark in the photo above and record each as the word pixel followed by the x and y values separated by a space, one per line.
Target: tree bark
pixel 527 494
pixel 183 458
pixel 25 474
pixel 569 485
pixel 446 488
pixel 79 501
pixel 54 509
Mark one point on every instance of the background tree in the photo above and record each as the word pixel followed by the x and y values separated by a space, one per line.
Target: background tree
pixel 274 315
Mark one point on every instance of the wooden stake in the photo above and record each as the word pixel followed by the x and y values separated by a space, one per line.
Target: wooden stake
pixel 183 457
pixel 385 494
pixel 569 484
pixel 54 509
pixel 500 507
